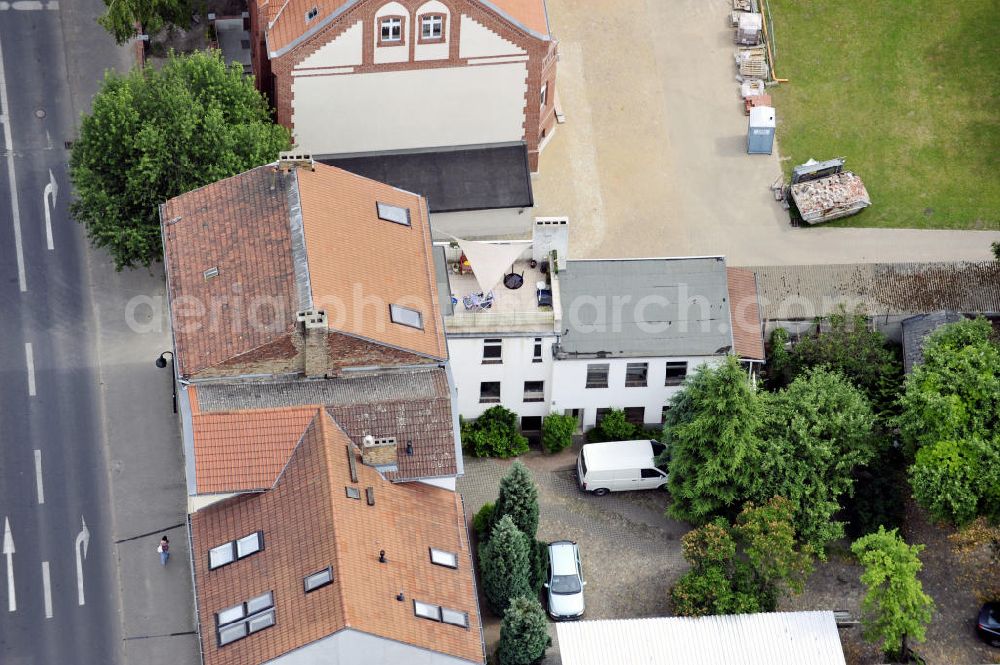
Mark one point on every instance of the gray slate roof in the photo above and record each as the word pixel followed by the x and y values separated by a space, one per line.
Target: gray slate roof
pixel 453 180
pixel 668 308
pixel 804 292
pixel 916 329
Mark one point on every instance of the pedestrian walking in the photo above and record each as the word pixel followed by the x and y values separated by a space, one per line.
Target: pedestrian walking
pixel 164 550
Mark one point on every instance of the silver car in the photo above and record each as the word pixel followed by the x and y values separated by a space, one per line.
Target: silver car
pixel 565 585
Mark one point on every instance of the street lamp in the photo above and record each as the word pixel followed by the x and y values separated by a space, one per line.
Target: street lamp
pixel 161 362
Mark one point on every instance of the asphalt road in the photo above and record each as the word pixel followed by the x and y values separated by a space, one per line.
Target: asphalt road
pixel 53 471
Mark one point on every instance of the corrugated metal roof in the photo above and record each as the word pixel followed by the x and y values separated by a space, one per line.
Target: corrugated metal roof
pixel 779 638
pixel 804 292
pixel 645 308
pixel 915 331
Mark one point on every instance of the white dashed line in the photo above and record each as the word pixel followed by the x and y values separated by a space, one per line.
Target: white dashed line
pixel 30 358
pixel 38 477
pixel 47 588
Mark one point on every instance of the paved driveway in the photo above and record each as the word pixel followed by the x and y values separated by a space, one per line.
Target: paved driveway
pixel 631 553
pixel 651 162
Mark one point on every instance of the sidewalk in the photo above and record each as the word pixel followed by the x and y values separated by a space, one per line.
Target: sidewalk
pixel 147 471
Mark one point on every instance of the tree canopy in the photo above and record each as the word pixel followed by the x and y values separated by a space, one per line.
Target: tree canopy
pixel 814 434
pixel 711 433
pixel 895 607
pixel 121 16
pixel 155 134
pixel 518 498
pixel 743 567
pixel 951 418
pixel 494 434
pixel 524 633
pixel 505 565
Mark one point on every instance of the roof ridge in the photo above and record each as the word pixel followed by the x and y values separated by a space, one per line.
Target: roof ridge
pixel 325 421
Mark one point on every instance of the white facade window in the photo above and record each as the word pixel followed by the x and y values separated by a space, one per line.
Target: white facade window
pixel 489 392
pixel 534 391
pixel 545 94
pixel 405 316
pixel 636 375
pixel 235 549
pixel 391 29
pixel 235 623
pixel 676 372
pixel 432 26
pixel 393 213
pixel 597 375
pixel 492 351
pixel 536 356
pixel 442 558
pixel 319 580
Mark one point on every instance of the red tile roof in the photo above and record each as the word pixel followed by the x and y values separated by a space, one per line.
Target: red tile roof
pixel 748 334
pixel 309 523
pixel 238 226
pixel 242 451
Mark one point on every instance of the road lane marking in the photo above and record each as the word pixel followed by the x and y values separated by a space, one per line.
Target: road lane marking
pixel 38 477
pixel 29 5
pixel 47 587
pixel 8 552
pixel 30 357
pixel 83 538
pixel 51 189
pixel 15 210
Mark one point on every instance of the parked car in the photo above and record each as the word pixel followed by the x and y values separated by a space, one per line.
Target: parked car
pixel 988 625
pixel 565 583
pixel 620 466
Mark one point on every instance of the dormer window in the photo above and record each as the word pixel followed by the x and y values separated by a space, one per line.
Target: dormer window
pixel 391 30
pixel 431 27
pixel 405 316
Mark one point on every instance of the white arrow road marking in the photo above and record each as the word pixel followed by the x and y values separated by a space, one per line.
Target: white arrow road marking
pixel 82 538
pixel 29 356
pixel 8 551
pixel 14 208
pixel 38 477
pixel 50 189
pixel 47 588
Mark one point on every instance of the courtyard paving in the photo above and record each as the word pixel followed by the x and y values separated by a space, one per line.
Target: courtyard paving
pixel 651 160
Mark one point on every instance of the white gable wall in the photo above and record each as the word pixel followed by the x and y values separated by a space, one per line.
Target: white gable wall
pixel 408 109
pixel 343 51
pixel 478 41
pixel 350 647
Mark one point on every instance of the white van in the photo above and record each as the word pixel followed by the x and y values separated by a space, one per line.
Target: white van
pixel 619 466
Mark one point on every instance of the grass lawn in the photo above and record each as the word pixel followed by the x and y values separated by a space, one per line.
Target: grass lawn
pixel 908 91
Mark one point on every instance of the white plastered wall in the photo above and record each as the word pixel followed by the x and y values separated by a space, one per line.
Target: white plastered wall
pixel 343 51
pixel 400 110
pixel 478 41
pixel 398 51
pixel 569 379
pixel 482 224
pixel 466 354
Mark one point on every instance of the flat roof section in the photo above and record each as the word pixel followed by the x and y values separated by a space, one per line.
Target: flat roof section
pixel 453 180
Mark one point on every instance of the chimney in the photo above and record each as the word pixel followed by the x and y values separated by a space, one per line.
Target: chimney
pixel 292 159
pixel 314 341
pixel 548 234
pixel 378 451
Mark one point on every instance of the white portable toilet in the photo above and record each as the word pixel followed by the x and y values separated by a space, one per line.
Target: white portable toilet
pixel 760 135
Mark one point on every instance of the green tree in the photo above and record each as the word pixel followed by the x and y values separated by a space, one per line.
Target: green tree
pixel 505 566
pixel 846 344
pixel 518 499
pixel 895 608
pixel 742 568
pixel 121 16
pixel 815 433
pixel 557 432
pixel 524 633
pixel 482 522
pixel 154 134
pixel 996 249
pixel 951 417
pixel 494 434
pixel 711 432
